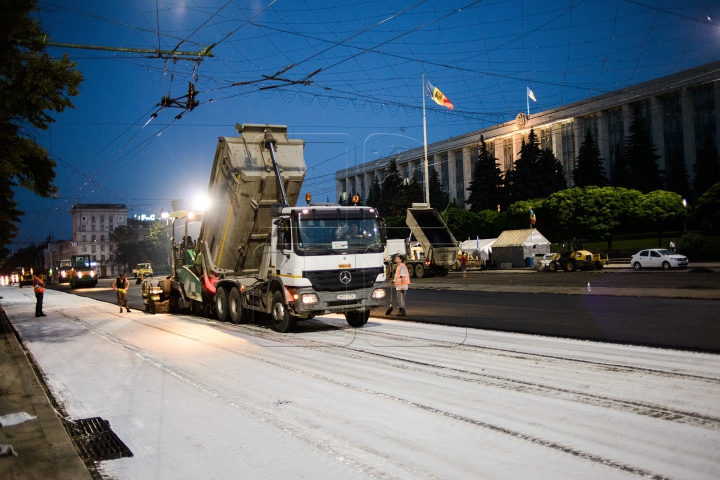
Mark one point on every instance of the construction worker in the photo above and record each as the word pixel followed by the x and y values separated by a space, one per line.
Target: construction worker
pixel 401 281
pixel 39 287
pixel 121 285
pixel 463 264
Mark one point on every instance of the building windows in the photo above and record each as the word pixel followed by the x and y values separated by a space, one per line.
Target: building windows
pixel 84 238
pixel 102 248
pixel 673 131
pixel 94 257
pixel 459 179
pixel 616 132
pixel 445 173
pixel 102 238
pixel 546 142
pixel 92 219
pixel 474 156
pixel 589 123
pixel 82 228
pixel 102 258
pixel 567 135
pixel 84 248
pixel 112 247
pixel 92 238
pixel 704 109
pixel 93 248
pixel 508 153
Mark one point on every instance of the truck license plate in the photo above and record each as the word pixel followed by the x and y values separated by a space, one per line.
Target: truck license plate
pixel 345 296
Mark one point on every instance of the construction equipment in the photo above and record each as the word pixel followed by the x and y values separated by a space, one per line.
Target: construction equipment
pixel 25 276
pixel 574 256
pixel 258 254
pixel 436 250
pixel 82 272
pixel 64 271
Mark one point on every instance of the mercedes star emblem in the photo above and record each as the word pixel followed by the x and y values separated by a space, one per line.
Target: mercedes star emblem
pixel 345 277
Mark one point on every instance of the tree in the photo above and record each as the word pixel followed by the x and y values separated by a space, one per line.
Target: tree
pixel 706 168
pixel 375 195
pixel 439 199
pixel 159 242
pixel 552 174
pixel 643 170
pixel 522 181
pixel 660 210
pixel 393 192
pixel 590 169
pixel 676 176
pixel 486 187
pixel 32 86
pixel 414 192
pixel 620 174
pixel 708 209
pixel 129 250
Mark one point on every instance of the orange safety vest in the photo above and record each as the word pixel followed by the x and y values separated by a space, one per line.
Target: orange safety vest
pixel 402 277
pixel 38 285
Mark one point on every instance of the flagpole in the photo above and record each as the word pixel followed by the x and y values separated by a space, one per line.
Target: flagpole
pixel 527 99
pixel 427 180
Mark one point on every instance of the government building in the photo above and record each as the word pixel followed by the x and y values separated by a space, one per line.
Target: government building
pixel 680 110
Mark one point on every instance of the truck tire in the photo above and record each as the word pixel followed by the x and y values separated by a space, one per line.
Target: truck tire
pixel 598 265
pixel 570 266
pixel 221 304
pixel 442 273
pixel 420 270
pixel 357 319
pixel 553 267
pixel 235 309
pixel 280 316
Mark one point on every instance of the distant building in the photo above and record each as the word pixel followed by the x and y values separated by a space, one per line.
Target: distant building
pixel 92 225
pixel 682 110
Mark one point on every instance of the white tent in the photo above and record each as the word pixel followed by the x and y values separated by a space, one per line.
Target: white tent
pixel 482 245
pixel 514 246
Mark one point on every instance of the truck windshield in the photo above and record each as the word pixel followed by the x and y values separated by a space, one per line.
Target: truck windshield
pixel 320 234
pixel 82 262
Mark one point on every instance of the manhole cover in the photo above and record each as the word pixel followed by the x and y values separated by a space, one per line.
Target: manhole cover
pixel 96 441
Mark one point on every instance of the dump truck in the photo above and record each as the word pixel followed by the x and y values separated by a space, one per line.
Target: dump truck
pixel 25 276
pixel 82 272
pixel 257 253
pixel 436 250
pixel 574 256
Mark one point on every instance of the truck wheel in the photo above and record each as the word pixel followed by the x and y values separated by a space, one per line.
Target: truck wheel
pixel 553 267
pixel 442 273
pixel 411 271
pixel 420 270
pixel 282 321
pixel 221 304
pixel 235 306
pixel 570 266
pixel 357 319
pixel 598 265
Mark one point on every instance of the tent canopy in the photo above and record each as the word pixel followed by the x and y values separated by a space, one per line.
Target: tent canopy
pixel 531 241
pixel 481 245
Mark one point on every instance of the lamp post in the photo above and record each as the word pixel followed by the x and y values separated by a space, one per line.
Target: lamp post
pixel 685 204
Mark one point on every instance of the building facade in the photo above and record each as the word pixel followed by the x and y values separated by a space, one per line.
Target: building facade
pixel 92 225
pixel 682 111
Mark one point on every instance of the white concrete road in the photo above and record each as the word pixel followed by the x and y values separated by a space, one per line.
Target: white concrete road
pixel 198 399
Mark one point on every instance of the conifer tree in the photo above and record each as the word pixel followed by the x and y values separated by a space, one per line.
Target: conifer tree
pixel 438 199
pixel 590 169
pixel 486 187
pixel 414 192
pixel 620 174
pixel 392 191
pixel 375 196
pixel 643 171
pixel 552 174
pixel 537 173
pixel 706 168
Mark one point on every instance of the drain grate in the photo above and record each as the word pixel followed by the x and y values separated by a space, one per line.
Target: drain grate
pixel 96 441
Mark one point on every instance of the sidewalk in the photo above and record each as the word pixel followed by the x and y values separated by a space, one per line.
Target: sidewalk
pixel 44 449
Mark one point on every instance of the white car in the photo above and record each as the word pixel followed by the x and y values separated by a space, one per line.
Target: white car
pixel 658 258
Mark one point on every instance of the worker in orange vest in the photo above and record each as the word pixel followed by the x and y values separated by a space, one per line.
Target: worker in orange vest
pixel 39 287
pixel 401 281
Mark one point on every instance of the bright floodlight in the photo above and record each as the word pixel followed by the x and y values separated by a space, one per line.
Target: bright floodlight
pixel 164 215
pixel 200 203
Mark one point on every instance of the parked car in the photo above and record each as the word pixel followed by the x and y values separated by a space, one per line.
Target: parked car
pixel 658 258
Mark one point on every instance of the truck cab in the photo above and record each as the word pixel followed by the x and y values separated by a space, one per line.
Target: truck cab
pixel 143 270
pixel 83 272
pixel 64 271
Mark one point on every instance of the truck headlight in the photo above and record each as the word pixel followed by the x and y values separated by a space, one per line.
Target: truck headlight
pixel 378 293
pixel 62 274
pixel 79 274
pixel 92 274
pixel 309 298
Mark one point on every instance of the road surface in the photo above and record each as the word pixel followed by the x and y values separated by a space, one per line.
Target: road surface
pixel 195 398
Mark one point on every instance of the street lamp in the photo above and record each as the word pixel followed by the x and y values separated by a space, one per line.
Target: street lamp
pixel 685 204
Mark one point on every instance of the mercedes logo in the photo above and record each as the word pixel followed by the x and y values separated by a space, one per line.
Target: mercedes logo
pixel 345 277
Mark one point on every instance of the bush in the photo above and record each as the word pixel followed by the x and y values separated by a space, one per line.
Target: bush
pixel 708 209
pixel 691 242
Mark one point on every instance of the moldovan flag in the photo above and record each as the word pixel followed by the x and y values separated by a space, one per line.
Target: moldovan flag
pixel 532 217
pixel 531 94
pixel 438 96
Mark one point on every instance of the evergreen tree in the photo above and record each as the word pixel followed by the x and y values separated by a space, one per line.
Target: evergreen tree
pixel 375 196
pixel 522 182
pixel 438 198
pixel 676 179
pixel 414 192
pixel 620 175
pixel 590 169
pixel 706 168
pixel 393 192
pixel 486 187
pixel 643 171
pixel 552 175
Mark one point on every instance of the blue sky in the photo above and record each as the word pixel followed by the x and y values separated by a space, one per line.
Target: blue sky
pixel 363 61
